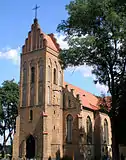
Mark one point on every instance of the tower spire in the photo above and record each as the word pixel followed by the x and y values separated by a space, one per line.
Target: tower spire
pixel 36 8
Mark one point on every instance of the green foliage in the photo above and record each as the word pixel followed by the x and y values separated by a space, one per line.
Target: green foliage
pixel 96 34
pixel 121 118
pixel 9 95
pixel 9 99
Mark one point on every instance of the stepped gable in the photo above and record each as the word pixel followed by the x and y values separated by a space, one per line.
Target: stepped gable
pixel 87 99
pixel 38 40
pixel 54 41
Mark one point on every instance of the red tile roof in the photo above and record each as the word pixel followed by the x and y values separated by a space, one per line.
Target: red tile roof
pixel 87 99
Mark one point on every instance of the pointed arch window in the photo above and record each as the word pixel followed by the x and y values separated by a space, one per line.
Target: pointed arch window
pixel 105 131
pixel 32 96
pixel 54 76
pixel 24 76
pixel 89 130
pixel 32 74
pixel 49 73
pixel 30 147
pixel 60 78
pixel 64 100
pixel 40 95
pixel 40 72
pixel 24 97
pixel 69 128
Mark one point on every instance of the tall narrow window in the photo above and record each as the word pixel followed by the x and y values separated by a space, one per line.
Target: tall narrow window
pixel 32 75
pixel 64 100
pixel 24 76
pixel 105 131
pixel 49 73
pixel 89 130
pixel 32 96
pixel 49 95
pixel 31 115
pixel 41 41
pixel 25 73
pixel 54 76
pixel 40 95
pixel 69 128
pixel 24 97
pixel 40 72
pixel 60 78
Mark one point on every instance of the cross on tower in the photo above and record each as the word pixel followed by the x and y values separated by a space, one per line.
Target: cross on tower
pixel 36 7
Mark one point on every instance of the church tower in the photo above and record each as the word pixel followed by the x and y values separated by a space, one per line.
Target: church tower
pixel 39 123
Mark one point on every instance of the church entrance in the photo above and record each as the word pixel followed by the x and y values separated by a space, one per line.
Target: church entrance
pixel 30 147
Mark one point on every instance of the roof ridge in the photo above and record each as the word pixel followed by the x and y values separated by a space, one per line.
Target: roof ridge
pixel 80 88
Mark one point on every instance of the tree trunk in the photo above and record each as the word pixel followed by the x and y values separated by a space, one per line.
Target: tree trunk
pixel 115 146
pixel 11 140
pixel 4 146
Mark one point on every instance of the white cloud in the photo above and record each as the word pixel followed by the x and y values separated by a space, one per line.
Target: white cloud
pixel 60 40
pixel 11 54
pixel 14 56
pixel 85 70
pixel 102 88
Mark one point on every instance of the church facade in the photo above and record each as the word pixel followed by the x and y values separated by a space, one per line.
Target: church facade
pixel 55 119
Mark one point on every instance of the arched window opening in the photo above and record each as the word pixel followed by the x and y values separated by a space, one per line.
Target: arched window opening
pixel 32 74
pixel 69 128
pixel 49 73
pixel 24 76
pixel 31 115
pixel 89 130
pixel 30 147
pixel 54 76
pixel 49 95
pixel 64 100
pixel 24 97
pixel 32 96
pixel 40 72
pixel 105 131
pixel 60 78
pixel 40 95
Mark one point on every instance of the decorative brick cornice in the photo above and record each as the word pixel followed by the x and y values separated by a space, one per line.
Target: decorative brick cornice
pixel 44 114
pixel 79 116
pixel 45 133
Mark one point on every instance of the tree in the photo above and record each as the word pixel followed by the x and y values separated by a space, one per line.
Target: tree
pixel 121 117
pixel 96 34
pixel 9 98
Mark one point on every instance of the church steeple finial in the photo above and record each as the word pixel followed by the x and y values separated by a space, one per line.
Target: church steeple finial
pixel 36 8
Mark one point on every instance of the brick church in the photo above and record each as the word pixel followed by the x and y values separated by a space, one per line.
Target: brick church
pixel 55 119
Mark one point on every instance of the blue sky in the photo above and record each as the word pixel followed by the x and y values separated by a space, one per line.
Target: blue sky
pixel 16 19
